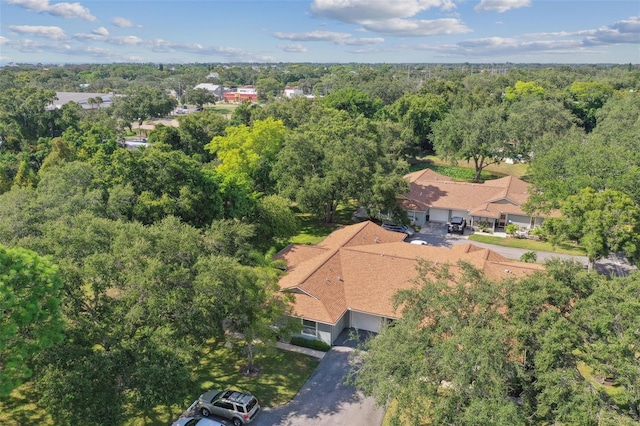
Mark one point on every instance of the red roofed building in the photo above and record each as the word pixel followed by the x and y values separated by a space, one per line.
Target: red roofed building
pixel 241 94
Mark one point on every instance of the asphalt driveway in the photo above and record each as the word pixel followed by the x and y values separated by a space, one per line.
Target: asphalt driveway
pixel 436 234
pixel 325 399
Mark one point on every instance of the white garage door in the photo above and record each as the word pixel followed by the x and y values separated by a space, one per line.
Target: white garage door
pixel 365 321
pixel 438 215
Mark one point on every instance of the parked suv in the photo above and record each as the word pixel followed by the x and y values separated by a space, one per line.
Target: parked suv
pixel 457 224
pixel 240 408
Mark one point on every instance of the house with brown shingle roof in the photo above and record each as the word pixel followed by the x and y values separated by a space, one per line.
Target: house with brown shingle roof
pixel 348 280
pixel 433 197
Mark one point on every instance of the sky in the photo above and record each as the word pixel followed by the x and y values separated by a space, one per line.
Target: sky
pixel 319 31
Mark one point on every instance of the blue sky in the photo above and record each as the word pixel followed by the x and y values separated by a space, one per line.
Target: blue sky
pixel 337 31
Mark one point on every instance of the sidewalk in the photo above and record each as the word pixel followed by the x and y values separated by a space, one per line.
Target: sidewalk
pixel 301 350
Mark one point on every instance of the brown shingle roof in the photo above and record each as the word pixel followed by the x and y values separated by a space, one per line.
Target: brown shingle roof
pixel 363 275
pixel 430 189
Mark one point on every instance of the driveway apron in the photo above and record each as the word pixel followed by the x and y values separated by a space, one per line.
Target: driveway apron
pixel 325 399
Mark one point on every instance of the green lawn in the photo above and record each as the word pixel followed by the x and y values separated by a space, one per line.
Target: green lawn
pixel 313 230
pixel 219 368
pixel 527 244
pixel 466 171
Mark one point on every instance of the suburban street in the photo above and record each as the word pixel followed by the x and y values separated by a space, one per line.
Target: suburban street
pixel 436 235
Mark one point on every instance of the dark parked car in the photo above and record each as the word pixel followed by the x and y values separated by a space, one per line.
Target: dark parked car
pixel 457 224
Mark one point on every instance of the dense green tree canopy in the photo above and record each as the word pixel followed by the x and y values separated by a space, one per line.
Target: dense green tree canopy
pixel 469 350
pixel 331 160
pixel 30 315
pixel 247 154
pixel 477 136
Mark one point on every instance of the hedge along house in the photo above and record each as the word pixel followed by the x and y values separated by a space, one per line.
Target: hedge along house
pixel 348 280
pixel 433 197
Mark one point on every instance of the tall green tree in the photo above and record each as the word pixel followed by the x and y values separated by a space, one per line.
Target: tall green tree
pixel 610 317
pixel 417 113
pixel 470 350
pixel 141 103
pixel 31 318
pixel 602 222
pixel 353 101
pixel 200 97
pixel 247 154
pixel 23 114
pixel 331 160
pixel 476 135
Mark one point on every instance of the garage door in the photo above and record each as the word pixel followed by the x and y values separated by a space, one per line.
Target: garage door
pixel 438 215
pixel 365 321
pixel 524 221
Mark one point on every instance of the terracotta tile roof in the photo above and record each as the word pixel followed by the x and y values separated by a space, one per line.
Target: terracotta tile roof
pixel 362 275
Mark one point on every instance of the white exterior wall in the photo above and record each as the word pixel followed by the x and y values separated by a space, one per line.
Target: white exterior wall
pixel 367 322
pixel 247 90
pixel 292 92
pixel 438 215
pixel 325 333
pixel 523 221
pixel 417 218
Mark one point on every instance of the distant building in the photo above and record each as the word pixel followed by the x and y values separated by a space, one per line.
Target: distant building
pixel 216 89
pixel 292 91
pixel 241 94
pixel 82 99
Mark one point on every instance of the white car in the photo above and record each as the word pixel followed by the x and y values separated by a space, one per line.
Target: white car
pixel 419 242
pixel 196 421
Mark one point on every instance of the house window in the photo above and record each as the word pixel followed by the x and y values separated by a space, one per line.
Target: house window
pixel 309 328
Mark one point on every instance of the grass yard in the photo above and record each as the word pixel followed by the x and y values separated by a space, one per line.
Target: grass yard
pixel 527 244
pixel 312 230
pixel 222 108
pixel 219 368
pixel 466 171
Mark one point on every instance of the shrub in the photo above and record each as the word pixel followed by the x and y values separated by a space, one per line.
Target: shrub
pixel 484 226
pixel 318 345
pixel 511 229
pixel 529 257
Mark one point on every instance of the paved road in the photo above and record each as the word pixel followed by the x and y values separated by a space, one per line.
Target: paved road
pixel 437 235
pixel 325 399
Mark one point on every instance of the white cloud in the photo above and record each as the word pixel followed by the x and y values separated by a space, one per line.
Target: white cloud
pixel 292 48
pixel 4 40
pixel 422 27
pixel 501 5
pixel 337 38
pixel 101 31
pixel 54 33
pixel 391 17
pixel 356 11
pixel 620 32
pixel 64 9
pixel 124 23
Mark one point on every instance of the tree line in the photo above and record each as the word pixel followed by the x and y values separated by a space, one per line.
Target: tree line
pixel 151 252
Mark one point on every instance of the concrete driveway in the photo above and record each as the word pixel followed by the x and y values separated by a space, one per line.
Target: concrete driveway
pixel 325 399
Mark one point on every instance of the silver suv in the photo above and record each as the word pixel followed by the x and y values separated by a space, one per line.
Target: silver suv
pixel 240 408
